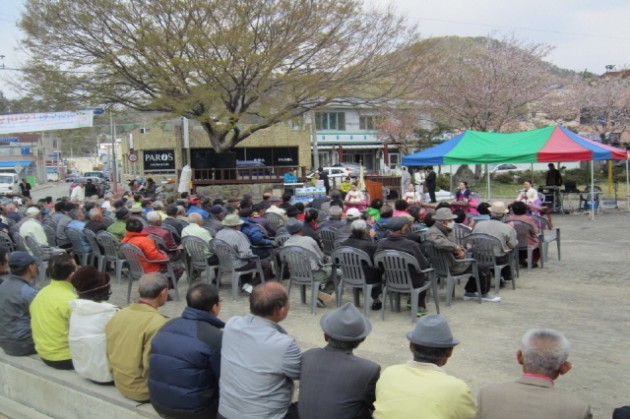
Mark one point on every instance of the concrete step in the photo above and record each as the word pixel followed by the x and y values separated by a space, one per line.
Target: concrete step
pixel 12 410
pixel 30 389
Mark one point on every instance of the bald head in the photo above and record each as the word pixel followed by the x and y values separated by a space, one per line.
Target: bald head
pixel 268 299
pixel 196 218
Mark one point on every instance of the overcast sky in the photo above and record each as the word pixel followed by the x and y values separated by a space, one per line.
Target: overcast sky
pixel 586 34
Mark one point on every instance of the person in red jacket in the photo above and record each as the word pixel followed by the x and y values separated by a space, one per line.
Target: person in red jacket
pixel 141 240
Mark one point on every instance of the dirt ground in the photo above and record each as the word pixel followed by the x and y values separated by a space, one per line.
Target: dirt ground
pixel 582 295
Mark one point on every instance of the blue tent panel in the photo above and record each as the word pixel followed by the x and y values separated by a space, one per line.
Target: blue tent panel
pixel 433 155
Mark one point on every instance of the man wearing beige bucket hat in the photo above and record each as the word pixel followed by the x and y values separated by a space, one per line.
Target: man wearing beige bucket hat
pixel 441 236
pixel 231 234
pixel 335 383
pixel 502 231
pixel 421 388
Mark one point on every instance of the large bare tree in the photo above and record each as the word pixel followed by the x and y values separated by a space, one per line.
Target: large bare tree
pixel 486 84
pixel 234 66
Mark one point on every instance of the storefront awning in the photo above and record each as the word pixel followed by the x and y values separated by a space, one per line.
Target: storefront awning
pixel 13 163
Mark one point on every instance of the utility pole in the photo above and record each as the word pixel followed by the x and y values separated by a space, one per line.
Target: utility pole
pixel 314 142
pixel 113 164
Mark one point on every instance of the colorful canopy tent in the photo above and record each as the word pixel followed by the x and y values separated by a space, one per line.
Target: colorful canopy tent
pixel 549 144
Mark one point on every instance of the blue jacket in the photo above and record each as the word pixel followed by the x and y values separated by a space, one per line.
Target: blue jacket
pixel 254 233
pixel 184 364
pixel 16 296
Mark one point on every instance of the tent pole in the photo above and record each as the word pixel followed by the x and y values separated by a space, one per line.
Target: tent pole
pixel 451 177
pixel 488 179
pixel 592 190
pixel 627 186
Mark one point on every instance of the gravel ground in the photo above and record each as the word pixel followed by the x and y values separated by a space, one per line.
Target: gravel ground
pixel 581 295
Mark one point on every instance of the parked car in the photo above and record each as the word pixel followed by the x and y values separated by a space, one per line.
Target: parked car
pixel 101 185
pixel 97 173
pixel 354 168
pixel 72 178
pixel 253 168
pixel 504 168
pixel 335 172
pixel 9 184
pixel 52 175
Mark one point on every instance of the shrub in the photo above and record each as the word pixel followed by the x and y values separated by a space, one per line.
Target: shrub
pixel 444 182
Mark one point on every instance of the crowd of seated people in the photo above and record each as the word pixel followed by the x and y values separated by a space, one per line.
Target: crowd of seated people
pixel 246 366
pixel 198 366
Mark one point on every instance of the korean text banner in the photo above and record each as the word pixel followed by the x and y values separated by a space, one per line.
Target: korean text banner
pixel 49 121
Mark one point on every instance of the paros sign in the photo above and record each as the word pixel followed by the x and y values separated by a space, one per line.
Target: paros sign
pixel 159 160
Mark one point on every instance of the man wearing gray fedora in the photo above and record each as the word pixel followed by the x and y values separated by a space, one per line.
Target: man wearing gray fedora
pixel 421 388
pixel 334 383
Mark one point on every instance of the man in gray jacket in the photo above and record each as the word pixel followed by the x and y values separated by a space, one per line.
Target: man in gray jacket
pixel 259 361
pixel 502 231
pixel 16 295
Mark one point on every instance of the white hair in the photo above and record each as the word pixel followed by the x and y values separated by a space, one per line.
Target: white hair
pixel 544 351
pixel 359 226
pixel 157 205
pixel 153 217
pixel 181 210
pixel 335 211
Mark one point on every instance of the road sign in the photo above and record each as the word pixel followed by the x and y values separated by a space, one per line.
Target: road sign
pixel 133 157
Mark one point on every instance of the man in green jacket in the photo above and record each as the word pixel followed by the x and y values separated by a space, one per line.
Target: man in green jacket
pixel 119 227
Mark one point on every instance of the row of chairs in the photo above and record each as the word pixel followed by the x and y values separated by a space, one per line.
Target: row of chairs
pixel 351 262
pixel 546 236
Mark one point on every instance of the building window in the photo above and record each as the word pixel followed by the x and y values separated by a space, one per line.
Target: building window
pixel 368 123
pixel 330 121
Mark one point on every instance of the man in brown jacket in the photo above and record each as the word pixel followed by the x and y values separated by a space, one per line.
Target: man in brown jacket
pixel 129 334
pixel 543 355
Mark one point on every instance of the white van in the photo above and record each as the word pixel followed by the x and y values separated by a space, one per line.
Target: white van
pixel 9 184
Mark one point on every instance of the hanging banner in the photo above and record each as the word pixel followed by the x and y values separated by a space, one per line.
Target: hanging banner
pixel 49 121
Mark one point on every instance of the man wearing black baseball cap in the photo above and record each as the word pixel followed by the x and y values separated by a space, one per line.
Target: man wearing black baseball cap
pixel 397 240
pixel 16 295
